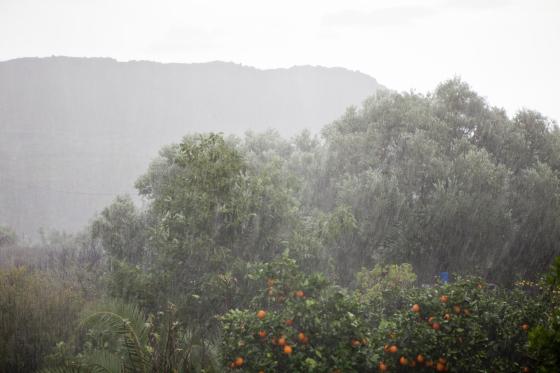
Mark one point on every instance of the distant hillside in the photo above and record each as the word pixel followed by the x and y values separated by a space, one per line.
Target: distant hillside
pixel 74 132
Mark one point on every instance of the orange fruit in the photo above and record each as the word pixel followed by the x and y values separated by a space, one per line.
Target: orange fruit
pixel 299 294
pixel 525 327
pixel 281 341
pixel 440 367
pixel 525 370
pixel 444 299
pixel 382 366
pixel 442 360
pixel 420 358
pixel 393 349
pixel 415 308
pixel 261 371
pixel 436 326
pixel 262 333
pixel 289 322
pixel 239 361
pixel 429 363
pixel 447 317
pixel 355 343
pixel 288 350
pixel 301 336
pixel 261 314
pixel 430 319
pixel 403 360
pixel 457 309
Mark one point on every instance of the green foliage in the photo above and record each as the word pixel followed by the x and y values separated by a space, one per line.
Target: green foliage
pixel 36 312
pixel 384 289
pixel 466 325
pixel 7 236
pixel 211 212
pixel 120 338
pixel 316 320
pixel 544 340
pixel 444 182
pixel 122 230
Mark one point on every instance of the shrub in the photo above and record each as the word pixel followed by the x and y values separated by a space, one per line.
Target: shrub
pixel 36 312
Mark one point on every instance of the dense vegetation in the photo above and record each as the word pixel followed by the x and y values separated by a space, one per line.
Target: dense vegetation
pixel 311 254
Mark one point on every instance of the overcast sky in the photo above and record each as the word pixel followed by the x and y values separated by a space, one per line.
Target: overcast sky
pixel 508 50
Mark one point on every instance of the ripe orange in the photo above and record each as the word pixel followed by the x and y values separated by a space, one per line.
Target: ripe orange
pixel 393 349
pixel 299 294
pixel 403 360
pixel 415 308
pixel 261 314
pixel 382 366
pixel 525 370
pixel 289 322
pixel 281 341
pixel 440 367
pixel 447 317
pixel 436 326
pixel 457 309
pixel 239 361
pixel 355 343
pixel 525 327
pixel 262 333
pixel 288 350
pixel 444 299
pixel 442 360
pixel 420 358
pixel 301 337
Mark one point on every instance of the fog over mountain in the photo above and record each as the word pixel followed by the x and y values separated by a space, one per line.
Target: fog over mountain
pixel 75 132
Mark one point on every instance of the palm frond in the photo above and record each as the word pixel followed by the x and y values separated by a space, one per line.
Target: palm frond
pixel 128 323
pixel 101 361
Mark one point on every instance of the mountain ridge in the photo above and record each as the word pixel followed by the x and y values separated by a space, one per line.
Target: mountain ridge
pixel 93 124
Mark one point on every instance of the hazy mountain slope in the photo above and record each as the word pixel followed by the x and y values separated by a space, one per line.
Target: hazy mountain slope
pixel 74 132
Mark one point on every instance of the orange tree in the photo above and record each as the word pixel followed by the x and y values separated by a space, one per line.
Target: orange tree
pixel 544 339
pixel 297 323
pixel 463 326
pixel 300 322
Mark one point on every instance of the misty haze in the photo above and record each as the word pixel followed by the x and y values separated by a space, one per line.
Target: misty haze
pixel 369 187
